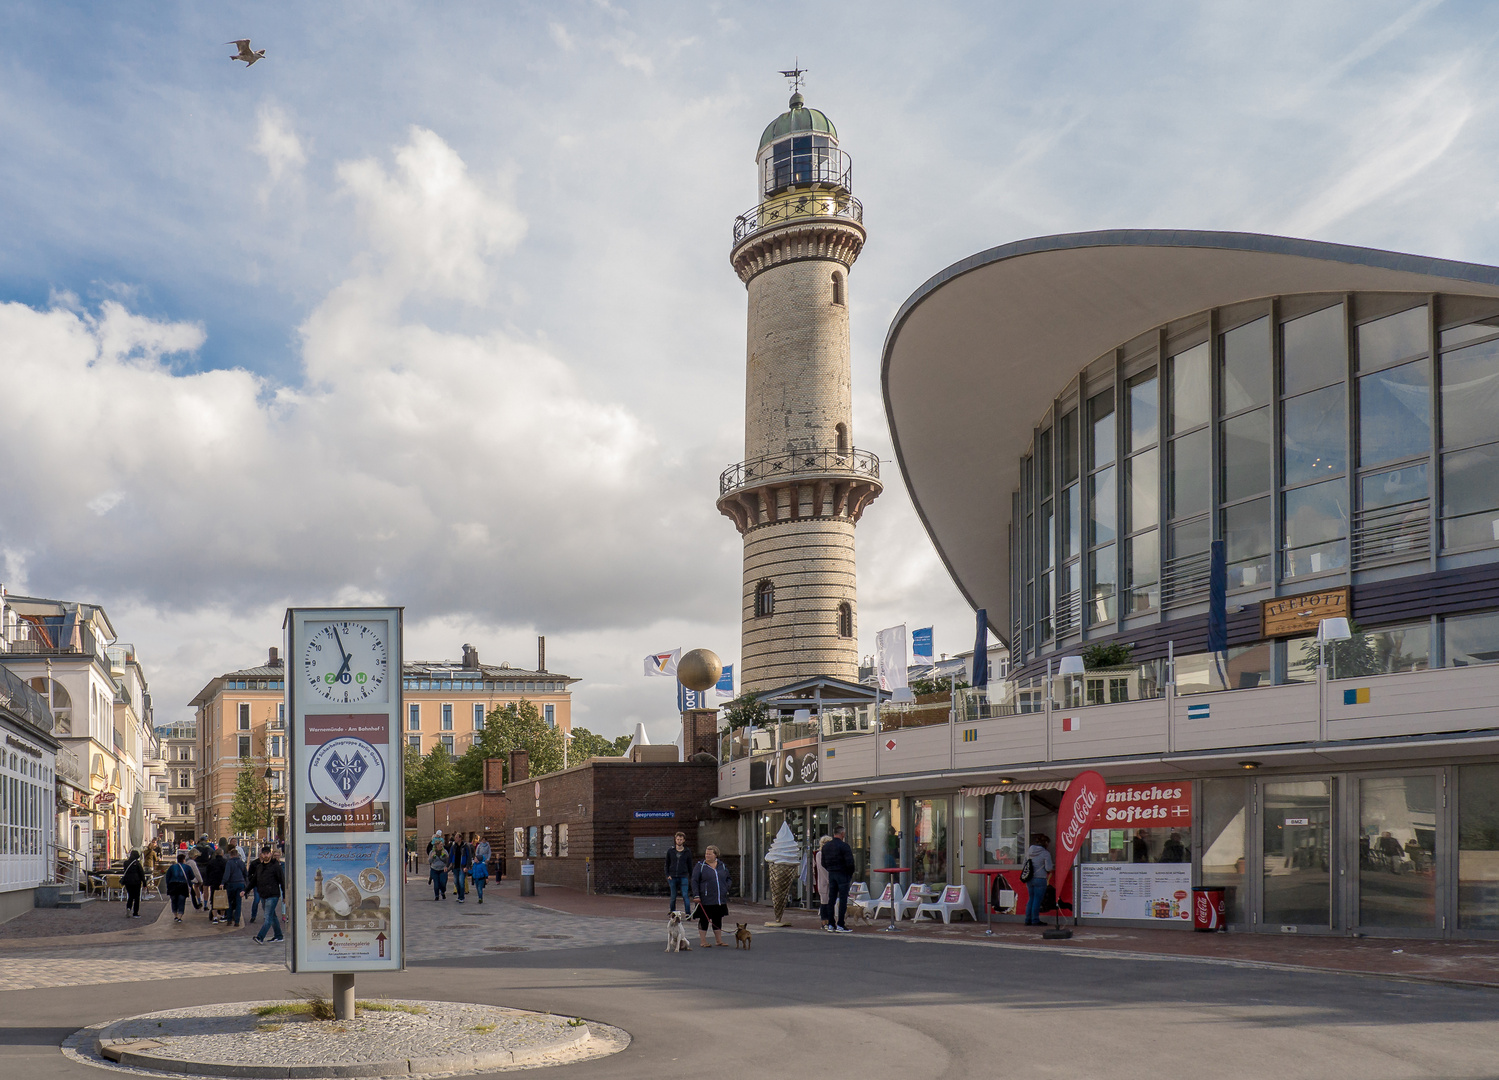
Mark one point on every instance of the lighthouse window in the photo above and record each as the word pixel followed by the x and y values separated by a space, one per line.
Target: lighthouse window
pixel 800 160
pixel 765 599
pixel 842 430
pixel 837 288
pixel 845 619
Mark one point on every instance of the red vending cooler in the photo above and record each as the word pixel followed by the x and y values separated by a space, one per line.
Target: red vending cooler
pixel 1208 908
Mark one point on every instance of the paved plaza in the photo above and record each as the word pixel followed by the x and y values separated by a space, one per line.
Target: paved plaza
pixel 928 1004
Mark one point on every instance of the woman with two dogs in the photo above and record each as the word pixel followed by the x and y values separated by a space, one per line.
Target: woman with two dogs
pixel 710 896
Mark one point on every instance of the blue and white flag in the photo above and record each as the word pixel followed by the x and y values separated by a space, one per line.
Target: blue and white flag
pixel 663 663
pixel 725 684
pixel 921 644
pixel 691 699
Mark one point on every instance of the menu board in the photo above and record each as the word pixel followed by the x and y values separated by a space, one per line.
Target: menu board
pixel 1157 891
pixel 343 688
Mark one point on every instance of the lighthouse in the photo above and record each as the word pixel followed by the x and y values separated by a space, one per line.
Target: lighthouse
pixel 803 484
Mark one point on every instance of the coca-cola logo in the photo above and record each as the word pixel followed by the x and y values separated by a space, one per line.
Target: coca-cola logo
pixel 1082 811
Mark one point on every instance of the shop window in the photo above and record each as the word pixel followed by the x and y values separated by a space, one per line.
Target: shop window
pixel 1004 826
pixel 1223 857
pixel 1471 639
pixel 1478 847
pixel 1397 851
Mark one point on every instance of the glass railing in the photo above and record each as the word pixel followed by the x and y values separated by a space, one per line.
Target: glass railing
pixel 927 710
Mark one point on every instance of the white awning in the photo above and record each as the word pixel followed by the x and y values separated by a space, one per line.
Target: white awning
pixel 1032 785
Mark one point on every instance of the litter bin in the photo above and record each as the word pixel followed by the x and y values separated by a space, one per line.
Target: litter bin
pixel 1208 908
pixel 528 878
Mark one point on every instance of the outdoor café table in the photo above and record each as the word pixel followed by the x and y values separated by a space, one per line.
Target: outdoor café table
pixel 894 892
pixel 989 876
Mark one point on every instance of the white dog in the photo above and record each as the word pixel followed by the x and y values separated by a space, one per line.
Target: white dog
pixel 676 933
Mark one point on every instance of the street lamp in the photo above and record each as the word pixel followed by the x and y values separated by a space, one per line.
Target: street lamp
pixel 269 775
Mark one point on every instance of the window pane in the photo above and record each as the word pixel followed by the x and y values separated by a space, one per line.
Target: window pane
pixel 1312 350
pixel 1397 846
pixel 1246 366
pixel 1246 528
pixel 1314 435
pixel 1478 847
pixel 1046 538
pixel 1470 496
pixel 1392 338
pixel 1142 483
pixel 1456 335
pixel 1394 413
pixel 1316 523
pixel 1143 410
pixel 1069 447
pixel 1190 397
pixel 1470 395
pixel 1101 416
pixel 1044 463
pixel 1191 474
pixel 1103 508
pixel 1142 571
pixel 1223 854
pixel 1471 639
pixel 1297 852
pixel 1246 455
pixel 1072 538
pixel 1191 538
pixel 1394 487
pixel 1004 822
pixel 1103 579
pixel 1385 651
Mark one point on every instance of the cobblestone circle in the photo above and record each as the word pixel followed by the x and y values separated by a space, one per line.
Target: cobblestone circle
pixel 400 1038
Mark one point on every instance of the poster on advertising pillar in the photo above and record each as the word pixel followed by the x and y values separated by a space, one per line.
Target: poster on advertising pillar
pixel 345 856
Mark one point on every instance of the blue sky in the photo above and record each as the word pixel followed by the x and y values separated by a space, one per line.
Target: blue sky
pixel 433 304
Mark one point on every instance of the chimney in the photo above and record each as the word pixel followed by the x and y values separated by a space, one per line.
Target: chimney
pixel 494 774
pixel 520 766
pixel 541 653
pixel 275 660
pixel 470 658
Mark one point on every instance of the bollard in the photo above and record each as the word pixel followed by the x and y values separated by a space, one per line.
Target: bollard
pixel 343 997
pixel 528 878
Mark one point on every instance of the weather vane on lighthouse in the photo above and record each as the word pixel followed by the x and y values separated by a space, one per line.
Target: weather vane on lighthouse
pixel 794 76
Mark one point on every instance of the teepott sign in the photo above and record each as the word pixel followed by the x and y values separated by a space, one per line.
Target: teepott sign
pixel 1081 806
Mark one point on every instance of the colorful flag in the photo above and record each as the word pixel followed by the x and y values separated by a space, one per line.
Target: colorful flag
pixel 725 684
pixel 663 663
pixel 890 657
pixel 691 699
pixel 921 644
pixel 1081 806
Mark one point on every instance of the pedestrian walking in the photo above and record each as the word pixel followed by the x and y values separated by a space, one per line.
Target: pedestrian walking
pixel 151 857
pixel 179 885
pixel 270 886
pixel 437 864
pixel 195 875
pixel 1035 873
pixel 820 883
pixel 710 895
pixel 133 877
pixel 838 860
pixel 213 877
pixel 480 869
pixel 460 859
pixel 236 880
pixel 679 873
pixel 250 871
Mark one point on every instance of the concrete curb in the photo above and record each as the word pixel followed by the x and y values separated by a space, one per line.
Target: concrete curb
pixel 137 1053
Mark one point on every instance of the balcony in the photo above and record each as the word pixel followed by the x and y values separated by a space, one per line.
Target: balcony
pixel 50 637
pixel 798 207
pixel 812 167
pixel 806 484
pixel 801 464
pixel 19 698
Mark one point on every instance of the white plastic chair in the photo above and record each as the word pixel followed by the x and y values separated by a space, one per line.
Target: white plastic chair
pixel 903 904
pixel 875 905
pixel 954 898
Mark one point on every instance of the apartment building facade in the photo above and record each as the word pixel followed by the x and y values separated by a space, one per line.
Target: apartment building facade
pixel 240 722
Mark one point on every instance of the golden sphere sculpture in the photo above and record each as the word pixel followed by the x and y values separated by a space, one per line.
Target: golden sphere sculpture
pixel 699 669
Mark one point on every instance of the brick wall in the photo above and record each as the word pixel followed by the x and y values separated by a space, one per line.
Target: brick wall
pixel 483 812
pixel 597 801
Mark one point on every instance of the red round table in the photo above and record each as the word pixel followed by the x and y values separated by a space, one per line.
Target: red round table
pixel 894 885
pixel 989 876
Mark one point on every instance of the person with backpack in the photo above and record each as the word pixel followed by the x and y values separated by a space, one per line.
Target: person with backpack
pixel 480 869
pixel 1035 873
pixel 270 885
pixel 236 879
pixel 131 881
pixel 179 884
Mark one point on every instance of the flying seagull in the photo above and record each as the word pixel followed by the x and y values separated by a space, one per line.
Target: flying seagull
pixel 246 54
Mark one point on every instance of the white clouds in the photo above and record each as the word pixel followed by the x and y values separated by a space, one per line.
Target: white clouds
pixel 561 37
pixel 278 144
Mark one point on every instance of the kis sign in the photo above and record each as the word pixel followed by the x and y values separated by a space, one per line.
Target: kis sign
pixel 785 768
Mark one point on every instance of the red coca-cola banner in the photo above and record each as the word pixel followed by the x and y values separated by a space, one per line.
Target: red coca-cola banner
pixel 1081 806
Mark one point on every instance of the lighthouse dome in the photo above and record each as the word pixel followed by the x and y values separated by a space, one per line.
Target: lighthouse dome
pixel 798 118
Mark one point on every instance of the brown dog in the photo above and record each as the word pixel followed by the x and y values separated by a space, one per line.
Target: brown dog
pixel 742 936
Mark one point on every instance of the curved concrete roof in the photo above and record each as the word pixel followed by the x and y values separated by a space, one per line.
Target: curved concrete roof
pixel 975 356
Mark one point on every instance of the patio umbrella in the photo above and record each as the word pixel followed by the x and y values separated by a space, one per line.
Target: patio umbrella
pixel 137 822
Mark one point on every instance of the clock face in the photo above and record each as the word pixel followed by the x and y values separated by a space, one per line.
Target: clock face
pixel 345 662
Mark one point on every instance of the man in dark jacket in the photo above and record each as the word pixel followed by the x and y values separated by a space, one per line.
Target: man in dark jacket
pixel 838 861
pixel 270 884
pixel 213 877
pixel 132 880
pixel 251 869
pixel 678 871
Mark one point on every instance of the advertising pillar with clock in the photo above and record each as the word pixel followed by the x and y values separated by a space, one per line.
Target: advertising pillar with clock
pixel 347 797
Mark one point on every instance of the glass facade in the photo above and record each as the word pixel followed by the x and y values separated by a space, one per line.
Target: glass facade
pixel 1317 436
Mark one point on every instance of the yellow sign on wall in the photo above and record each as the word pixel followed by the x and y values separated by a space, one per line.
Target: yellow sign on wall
pixel 1290 616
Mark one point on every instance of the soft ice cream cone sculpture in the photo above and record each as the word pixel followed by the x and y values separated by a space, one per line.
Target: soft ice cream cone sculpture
pixel 784 857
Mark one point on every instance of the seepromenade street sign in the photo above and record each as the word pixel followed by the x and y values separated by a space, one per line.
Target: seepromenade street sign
pixel 344 862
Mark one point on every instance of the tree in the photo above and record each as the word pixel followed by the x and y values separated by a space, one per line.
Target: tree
pixel 939 685
pixel 517 726
pixel 252 796
pixel 430 778
pixel 746 710
pixel 585 744
pixel 1116 654
pixel 1358 655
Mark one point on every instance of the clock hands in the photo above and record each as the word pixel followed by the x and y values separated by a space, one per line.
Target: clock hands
pixel 344 653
